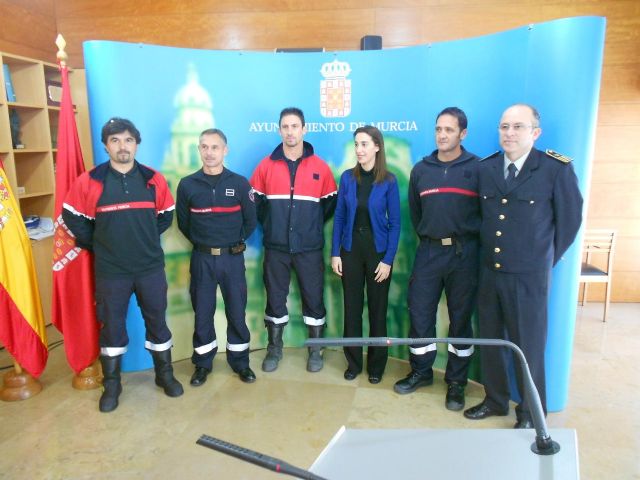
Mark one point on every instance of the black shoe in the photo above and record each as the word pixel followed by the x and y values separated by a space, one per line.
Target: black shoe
pixel 411 383
pixel 455 397
pixel 199 376
pixel 349 375
pixel 247 375
pixel 523 423
pixel 482 411
pixel 373 378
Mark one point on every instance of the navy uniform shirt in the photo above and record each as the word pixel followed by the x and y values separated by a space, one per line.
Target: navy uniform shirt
pixel 528 226
pixel 443 196
pixel 219 216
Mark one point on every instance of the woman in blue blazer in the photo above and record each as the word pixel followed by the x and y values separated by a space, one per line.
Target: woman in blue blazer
pixel 366 229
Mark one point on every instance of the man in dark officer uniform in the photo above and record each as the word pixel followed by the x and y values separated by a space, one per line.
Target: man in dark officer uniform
pixel 443 201
pixel 531 212
pixel 217 214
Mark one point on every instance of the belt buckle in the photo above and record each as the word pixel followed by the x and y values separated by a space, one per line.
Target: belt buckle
pixel 447 241
pixel 216 251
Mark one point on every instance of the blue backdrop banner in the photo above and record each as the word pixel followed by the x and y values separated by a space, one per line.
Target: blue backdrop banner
pixel 172 94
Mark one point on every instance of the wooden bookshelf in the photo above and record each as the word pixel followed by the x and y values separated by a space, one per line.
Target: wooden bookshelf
pixel 31 168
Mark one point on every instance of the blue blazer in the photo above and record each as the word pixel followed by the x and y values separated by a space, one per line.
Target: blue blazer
pixel 384 212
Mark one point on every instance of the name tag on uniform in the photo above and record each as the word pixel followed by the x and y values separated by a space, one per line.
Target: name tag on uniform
pixel 230 192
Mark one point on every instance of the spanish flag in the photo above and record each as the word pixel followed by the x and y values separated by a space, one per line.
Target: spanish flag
pixel 22 329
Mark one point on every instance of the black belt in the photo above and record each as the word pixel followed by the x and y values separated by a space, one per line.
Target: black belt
pixel 458 242
pixel 445 242
pixel 233 250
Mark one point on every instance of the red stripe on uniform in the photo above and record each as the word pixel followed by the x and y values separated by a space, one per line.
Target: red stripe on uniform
pixel 459 191
pixel 125 206
pixel 216 209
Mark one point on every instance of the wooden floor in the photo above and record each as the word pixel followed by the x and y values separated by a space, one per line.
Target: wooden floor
pixel 292 414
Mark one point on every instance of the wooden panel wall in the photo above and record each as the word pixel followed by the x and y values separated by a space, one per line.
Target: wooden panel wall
pixel 28 28
pixel 339 25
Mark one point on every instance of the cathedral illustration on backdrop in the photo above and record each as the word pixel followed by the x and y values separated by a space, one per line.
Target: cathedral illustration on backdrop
pixel 195 113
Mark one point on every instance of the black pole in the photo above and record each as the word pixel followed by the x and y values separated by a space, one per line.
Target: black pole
pixel 543 444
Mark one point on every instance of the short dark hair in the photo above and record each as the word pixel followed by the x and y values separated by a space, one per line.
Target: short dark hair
pixel 117 125
pixel 457 113
pixel 213 131
pixel 291 111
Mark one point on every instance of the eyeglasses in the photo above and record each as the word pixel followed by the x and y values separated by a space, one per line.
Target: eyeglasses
pixel 517 127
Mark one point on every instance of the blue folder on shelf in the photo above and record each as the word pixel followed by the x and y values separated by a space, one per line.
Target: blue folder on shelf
pixel 8 85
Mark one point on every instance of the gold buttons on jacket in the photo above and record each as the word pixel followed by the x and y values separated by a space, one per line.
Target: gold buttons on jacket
pixel 497 249
pixel 497 265
pixel 501 217
pixel 498 233
pixel 504 200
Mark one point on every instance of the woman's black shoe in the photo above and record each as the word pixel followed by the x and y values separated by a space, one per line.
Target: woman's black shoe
pixel 349 375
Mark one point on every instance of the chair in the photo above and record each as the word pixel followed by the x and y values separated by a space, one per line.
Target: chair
pixel 598 242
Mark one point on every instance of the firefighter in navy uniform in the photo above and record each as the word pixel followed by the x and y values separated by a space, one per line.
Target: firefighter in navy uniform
pixel 119 209
pixel 531 212
pixel 443 202
pixel 295 195
pixel 217 214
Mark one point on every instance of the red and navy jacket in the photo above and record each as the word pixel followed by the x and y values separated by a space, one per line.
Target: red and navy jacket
pixel 215 217
pixel 293 217
pixel 443 197
pixel 120 221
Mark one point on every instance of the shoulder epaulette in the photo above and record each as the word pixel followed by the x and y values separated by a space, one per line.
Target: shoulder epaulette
pixel 558 156
pixel 498 152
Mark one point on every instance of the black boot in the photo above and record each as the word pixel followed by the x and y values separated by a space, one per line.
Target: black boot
pixel 274 348
pixel 164 373
pixel 315 361
pixel 111 386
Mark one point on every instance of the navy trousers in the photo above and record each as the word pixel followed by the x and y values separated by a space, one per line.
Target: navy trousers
pixel 112 302
pixel 513 306
pixel 309 267
pixel 454 269
pixel 207 273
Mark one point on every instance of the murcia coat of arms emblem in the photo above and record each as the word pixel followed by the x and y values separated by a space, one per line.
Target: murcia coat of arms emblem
pixel 335 89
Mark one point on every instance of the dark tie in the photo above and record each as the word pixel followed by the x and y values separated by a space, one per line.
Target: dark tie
pixel 511 175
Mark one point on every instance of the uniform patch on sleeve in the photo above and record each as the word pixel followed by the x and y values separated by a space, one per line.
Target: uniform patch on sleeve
pixel 558 156
pixel 230 192
pixel 316 176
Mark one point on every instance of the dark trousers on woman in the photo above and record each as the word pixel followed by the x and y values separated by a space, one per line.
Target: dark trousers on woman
pixel 358 268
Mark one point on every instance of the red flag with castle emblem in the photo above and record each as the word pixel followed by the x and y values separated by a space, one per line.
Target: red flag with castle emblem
pixel 73 307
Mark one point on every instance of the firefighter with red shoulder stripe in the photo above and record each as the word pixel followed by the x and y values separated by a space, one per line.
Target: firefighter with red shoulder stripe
pixel 118 210
pixel 216 212
pixel 445 212
pixel 295 195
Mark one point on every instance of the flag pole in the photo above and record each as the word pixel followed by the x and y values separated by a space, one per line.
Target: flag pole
pixel 91 377
pixel 18 385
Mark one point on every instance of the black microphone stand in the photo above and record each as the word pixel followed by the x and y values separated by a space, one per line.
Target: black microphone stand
pixel 260 459
pixel 543 444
